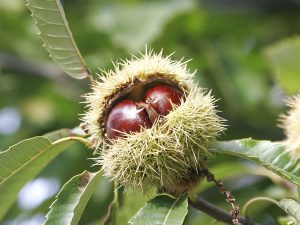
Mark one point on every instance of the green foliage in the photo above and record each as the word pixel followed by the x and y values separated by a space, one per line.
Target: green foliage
pixel 268 154
pixel 58 40
pixel 284 57
pixel 72 199
pixel 227 44
pixel 113 208
pixel 291 207
pixel 128 20
pixel 164 210
pixel 22 162
pixel 131 203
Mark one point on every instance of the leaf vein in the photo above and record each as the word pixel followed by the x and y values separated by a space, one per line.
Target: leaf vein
pixel 25 164
pixel 170 210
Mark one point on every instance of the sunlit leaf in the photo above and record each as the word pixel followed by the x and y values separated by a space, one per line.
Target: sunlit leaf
pixel 22 162
pixel 291 207
pixel 268 154
pixel 162 210
pixel 72 199
pixel 58 40
pixel 284 57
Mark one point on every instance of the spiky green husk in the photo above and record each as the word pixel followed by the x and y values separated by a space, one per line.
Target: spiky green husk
pixel 149 66
pixel 172 152
pixel 291 125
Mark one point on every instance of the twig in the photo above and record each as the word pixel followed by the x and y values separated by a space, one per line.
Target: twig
pixel 228 195
pixel 108 217
pixel 84 141
pixel 217 213
pixel 111 215
pixel 47 70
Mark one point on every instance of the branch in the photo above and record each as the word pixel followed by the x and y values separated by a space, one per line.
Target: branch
pixel 217 213
pixel 22 66
pixel 109 214
pixel 25 66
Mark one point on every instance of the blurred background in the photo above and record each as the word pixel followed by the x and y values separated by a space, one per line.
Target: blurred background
pixel 227 42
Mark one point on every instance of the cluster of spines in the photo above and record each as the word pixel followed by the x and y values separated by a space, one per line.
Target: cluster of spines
pixel 291 125
pixel 173 152
pixel 165 155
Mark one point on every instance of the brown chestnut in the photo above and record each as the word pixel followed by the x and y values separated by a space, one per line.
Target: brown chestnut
pixel 129 116
pixel 161 98
pixel 125 117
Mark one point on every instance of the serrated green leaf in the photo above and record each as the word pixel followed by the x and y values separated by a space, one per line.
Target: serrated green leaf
pixel 58 40
pixel 291 207
pixel 72 199
pixel 22 162
pixel 162 210
pixel 266 153
pixel 284 57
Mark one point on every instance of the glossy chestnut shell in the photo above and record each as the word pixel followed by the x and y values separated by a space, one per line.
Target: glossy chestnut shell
pixel 140 109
